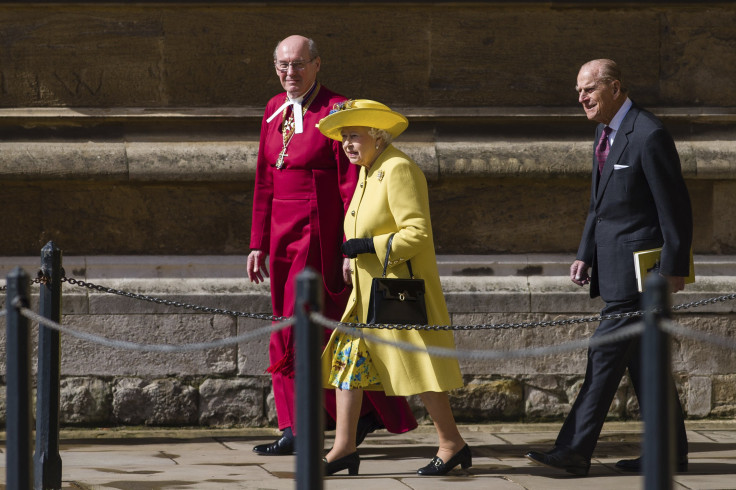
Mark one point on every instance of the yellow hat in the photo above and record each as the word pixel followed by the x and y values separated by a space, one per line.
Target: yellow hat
pixel 362 112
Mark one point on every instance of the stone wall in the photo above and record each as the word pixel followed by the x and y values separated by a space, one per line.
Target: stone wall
pixel 129 138
pixel 227 386
pixel 133 128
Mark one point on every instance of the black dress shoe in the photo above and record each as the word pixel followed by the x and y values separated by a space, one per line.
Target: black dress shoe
pixel 351 462
pixel 562 459
pixel 437 467
pixel 634 465
pixel 366 425
pixel 283 446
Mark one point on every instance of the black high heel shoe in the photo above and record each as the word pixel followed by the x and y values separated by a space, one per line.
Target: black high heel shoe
pixel 437 467
pixel 351 462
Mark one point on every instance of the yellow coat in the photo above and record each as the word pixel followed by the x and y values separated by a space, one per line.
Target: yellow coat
pixel 391 197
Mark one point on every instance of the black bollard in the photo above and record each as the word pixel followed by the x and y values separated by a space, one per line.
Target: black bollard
pixel 46 460
pixel 19 474
pixel 309 410
pixel 658 448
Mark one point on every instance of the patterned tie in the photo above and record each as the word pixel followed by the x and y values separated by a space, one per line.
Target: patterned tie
pixel 602 148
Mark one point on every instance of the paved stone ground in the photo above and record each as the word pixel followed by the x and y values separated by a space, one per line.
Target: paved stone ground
pixel 137 459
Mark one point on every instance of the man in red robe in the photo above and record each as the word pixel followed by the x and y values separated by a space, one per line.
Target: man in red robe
pixel 304 184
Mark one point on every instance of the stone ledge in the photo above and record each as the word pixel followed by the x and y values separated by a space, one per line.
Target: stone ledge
pixel 223 161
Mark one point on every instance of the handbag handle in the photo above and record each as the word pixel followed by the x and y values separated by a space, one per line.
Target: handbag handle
pixel 388 251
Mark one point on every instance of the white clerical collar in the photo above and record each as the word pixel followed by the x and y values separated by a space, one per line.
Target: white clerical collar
pixel 297 111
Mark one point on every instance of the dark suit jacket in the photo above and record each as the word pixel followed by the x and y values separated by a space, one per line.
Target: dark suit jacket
pixel 639 202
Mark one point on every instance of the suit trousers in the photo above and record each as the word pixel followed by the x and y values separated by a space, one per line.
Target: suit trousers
pixel 605 368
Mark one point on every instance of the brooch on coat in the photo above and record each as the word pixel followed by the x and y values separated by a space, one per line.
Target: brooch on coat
pixel 379 175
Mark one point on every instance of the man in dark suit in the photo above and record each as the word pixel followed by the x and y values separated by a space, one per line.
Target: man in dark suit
pixel 638 201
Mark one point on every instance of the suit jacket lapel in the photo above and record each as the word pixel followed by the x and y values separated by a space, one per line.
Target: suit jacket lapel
pixel 617 149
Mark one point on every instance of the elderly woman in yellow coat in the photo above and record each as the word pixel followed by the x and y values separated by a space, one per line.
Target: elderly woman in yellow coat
pixel 390 199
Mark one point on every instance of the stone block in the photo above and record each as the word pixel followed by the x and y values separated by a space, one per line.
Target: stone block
pixel 92 359
pixel 544 405
pixel 724 219
pixel 497 216
pixel 232 402
pixel 698 357
pixel 502 341
pixel 714 159
pixel 192 161
pixel 484 399
pixel 63 160
pixel 514 159
pixel 478 294
pixel 501 32
pixel 699 396
pixel 702 43
pixel 559 295
pixel 253 359
pixel 85 401
pixel 158 402
pixel 724 395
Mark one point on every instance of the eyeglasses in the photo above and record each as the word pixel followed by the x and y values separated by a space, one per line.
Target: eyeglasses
pixel 299 65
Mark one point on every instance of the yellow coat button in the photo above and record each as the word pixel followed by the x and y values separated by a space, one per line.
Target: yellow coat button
pixel 352 213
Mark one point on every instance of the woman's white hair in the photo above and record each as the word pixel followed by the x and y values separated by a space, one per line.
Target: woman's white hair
pixel 381 133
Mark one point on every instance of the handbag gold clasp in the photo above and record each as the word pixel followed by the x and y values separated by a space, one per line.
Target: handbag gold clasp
pixel 402 296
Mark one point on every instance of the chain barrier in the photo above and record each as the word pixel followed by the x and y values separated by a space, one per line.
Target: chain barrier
pixel 624 333
pixel 42 279
pixel 491 326
pixel 168 348
pixel 167 302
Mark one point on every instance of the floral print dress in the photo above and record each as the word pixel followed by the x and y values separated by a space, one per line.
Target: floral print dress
pixel 352 367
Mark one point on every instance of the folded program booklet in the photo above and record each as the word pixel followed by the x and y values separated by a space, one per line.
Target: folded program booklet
pixel 646 261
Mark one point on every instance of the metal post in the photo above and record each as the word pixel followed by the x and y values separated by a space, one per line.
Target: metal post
pixel 19 475
pixel 309 411
pixel 658 451
pixel 47 462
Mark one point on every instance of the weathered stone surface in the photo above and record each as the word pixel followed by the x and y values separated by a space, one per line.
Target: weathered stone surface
pixel 498 399
pixel 92 359
pixel 544 405
pixel 505 340
pixel 724 220
pixel 253 359
pixel 199 161
pixel 85 401
pixel 724 396
pixel 199 55
pixel 63 160
pixel 698 39
pixel 521 158
pixel 699 396
pixel 229 402
pixel 696 357
pixel 160 402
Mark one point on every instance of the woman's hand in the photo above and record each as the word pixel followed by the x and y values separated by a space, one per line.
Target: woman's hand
pixel 347 271
pixel 356 246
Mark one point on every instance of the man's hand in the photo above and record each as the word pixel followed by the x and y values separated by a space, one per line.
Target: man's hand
pixel 347 271
pixel 256 266
pixel 579 273
pixel 677 283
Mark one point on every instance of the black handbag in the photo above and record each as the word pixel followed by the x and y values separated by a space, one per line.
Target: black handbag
pixel 397 301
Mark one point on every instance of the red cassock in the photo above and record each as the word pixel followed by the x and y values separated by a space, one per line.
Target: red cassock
pixel 298 215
